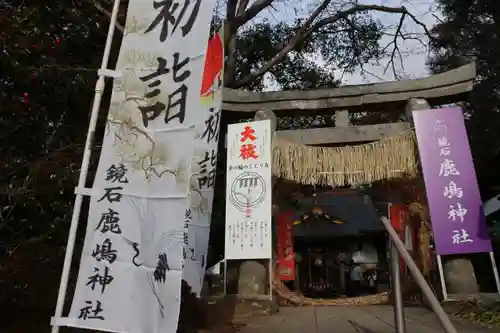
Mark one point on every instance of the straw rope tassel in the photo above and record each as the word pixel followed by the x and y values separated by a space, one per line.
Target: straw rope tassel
pixel 390 158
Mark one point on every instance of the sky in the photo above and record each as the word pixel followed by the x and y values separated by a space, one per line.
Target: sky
pixel 415 53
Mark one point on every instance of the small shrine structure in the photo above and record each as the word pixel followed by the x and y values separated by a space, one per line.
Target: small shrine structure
pixel 379 160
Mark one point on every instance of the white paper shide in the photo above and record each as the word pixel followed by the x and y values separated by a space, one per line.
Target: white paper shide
pixel 248 192
pixel 133 256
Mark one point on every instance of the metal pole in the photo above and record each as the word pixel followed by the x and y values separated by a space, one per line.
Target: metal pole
pixel 342 278
pixel 419 278
pixel 399 318
pixel 225 277
pixel 441 277
pixel 271 283
pixel 495 270
pixel 99 89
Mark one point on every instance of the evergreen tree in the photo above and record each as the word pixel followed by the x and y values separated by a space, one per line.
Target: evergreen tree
pixel 470 31
pixel 49 55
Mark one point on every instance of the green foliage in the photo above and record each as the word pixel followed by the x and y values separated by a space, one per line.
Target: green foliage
pixel 50 54
pixel 313 63
pixel 488 316
pixel 469 32
pixel 46 99
pixel 44 114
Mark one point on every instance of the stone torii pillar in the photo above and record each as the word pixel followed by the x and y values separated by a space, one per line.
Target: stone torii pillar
pixel 266 114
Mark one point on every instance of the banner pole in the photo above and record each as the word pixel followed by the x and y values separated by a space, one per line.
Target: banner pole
pixel 495 270
pixel 419 278
pixel 225 277
pixel 398 306
pixel 441 277
pixel 271 283
pixel 99 88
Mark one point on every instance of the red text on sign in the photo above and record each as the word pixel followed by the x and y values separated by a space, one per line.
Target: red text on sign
pixel 247 149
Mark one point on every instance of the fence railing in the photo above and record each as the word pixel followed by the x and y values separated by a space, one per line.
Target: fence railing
pixel 399 249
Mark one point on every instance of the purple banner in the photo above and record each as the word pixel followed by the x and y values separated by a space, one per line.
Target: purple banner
pixel 455 205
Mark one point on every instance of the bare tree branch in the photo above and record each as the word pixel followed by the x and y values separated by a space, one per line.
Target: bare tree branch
pixel 301 34
pixel 231 9
pixel 309 27
pixel 253 11
pixel 242 7
pixel 395 49
pixel 107 13
pixel 230 29
pixel 363 70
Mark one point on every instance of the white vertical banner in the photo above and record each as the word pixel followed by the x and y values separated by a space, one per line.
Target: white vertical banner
pixel 248 191
pixel 204 165
pixel 131 265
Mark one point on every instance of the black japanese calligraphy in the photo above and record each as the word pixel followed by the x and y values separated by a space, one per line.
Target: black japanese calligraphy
pixel 137 252
pixel 176 98
pixel 105 252
pixel 160 273
pixel 185 236
pixel 151 112
pixel 177 76
pixel 91 312
pixel 211 132
pixel 187 218
pixel 100 280
pixel 201 258
pixel 206 178
pixel 169 15
pixel 160 70
pixel 111 194
pixel 109 222
pixel 117 173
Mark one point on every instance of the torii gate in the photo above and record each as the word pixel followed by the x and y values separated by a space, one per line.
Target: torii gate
pixel 446 88
pixel 408 95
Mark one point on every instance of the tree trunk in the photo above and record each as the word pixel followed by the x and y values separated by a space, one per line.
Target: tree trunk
pixel 459 276
pixel 252 279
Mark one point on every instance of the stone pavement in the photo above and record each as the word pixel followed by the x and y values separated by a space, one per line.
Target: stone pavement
pixel 345 319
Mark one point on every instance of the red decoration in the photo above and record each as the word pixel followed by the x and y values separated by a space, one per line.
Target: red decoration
pixel 285 254
pixel 398 216
pixel 247 150
pixel 214 63
pixel 248 134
